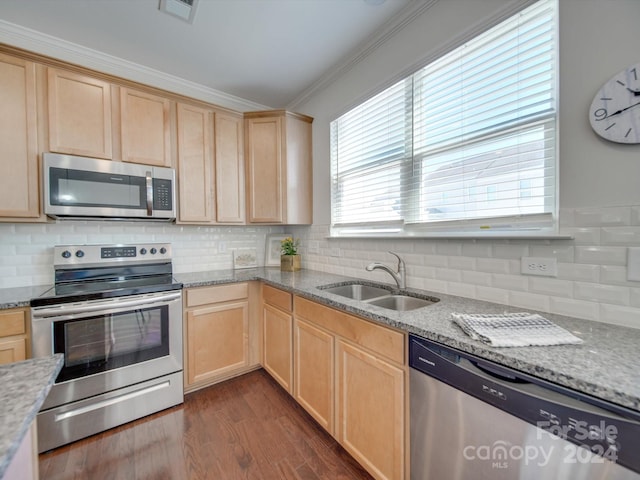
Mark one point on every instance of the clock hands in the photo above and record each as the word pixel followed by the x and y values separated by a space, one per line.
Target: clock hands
pixel 635 92
pixel 624 109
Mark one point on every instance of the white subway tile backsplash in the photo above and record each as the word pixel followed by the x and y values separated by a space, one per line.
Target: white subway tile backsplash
pixel 490 294
pixel 435 260
pixel 477 249
pixel 635 215
pixel 605 216
pixel 602 293
pixel 615 275
pixel 435 285
pixel 493 265
pixel 509 282
pixel 619 315
pixel 574 308
pixel 462 263
pixel 461 289
pixel 551 286
pixel 601 255
pixel 476 278
pixel 563 253
pixel 529 300
pixel 579 272
pixel 510 251
pixel 449 248
pixel 634 296
pixel 629 236
pixel 583 235
pixel 566 218
pixel 448 275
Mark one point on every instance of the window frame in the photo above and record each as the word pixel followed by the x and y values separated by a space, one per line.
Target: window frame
pixel 540 225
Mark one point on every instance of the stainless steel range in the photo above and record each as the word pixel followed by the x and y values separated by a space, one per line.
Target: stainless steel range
pixel 115 313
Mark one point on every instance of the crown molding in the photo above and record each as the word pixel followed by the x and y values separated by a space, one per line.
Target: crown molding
pixel 43 44
pixel 408 14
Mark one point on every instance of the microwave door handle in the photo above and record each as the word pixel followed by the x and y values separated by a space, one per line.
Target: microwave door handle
pixel 149 180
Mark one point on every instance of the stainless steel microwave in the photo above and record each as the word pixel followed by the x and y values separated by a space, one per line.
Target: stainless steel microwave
pixel 90 188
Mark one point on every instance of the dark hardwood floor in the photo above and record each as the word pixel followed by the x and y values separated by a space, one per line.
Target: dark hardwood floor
pixel 245 428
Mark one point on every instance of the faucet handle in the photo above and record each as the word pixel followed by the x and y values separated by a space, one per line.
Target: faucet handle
pixel 400 260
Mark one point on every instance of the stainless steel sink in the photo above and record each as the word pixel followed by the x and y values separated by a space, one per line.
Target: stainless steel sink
pixel 380 296
pixel 401 302
pixel 357 291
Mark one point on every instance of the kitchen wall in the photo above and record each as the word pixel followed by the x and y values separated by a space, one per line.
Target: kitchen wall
pixel 26 250
pixel 599 181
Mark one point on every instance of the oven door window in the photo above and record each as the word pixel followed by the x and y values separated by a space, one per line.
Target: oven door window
pixel 109 341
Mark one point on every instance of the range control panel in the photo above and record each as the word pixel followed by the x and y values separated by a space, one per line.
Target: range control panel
pixel 76 255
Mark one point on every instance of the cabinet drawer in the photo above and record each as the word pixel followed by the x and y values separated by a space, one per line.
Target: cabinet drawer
pixel 12 323
pixel 214 294
pixel 278 298
pixel 377 338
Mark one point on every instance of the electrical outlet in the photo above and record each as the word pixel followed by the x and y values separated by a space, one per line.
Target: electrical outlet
pixel 335 252
pixel 546 267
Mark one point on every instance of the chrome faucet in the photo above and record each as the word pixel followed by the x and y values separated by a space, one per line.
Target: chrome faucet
pixel 400 276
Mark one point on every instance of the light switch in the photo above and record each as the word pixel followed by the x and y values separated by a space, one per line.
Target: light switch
pixel 633 264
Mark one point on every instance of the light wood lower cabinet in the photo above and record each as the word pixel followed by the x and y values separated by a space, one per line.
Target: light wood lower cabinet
pixel 277 323
pixel 351 376
pixel 371 411
pixel 220 334
pixel 314 365
pixel 14 340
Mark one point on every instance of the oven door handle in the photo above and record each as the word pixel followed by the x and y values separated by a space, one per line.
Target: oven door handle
pixel 104 306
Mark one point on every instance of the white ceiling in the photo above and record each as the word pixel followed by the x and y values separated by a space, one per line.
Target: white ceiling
pixel 270 52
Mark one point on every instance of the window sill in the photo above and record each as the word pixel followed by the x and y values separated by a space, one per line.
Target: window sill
pixel 462 235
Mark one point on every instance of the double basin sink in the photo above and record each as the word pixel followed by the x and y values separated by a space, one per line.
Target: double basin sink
pixel 380 296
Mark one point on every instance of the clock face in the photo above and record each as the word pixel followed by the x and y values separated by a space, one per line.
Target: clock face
pixel 615 110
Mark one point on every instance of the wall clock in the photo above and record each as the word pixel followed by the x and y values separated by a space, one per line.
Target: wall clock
pixel 615 110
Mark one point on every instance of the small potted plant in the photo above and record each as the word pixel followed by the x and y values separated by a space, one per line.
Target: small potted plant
pixel 289 258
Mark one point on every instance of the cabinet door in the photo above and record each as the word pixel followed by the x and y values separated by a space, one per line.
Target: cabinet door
pixel 18 139
pixel 277 346
pixel 79 114
pixel 371 411
pixel 313 367
pixel 217 340
pixel 195 164
pixel 265 170
pixel 145 122
pixel 229 169
pixel 12 350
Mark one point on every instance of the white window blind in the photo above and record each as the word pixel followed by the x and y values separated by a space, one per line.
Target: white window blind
pixel 467 143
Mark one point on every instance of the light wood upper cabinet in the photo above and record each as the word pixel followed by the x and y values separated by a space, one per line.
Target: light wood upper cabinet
pixel 79 114
pixel 229 168
pixel 210 168
pixel 14 339
pixel 19 196
pixel 195 164
pixel 279 167
pixel 145 123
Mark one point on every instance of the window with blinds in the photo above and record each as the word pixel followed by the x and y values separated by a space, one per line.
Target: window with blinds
pixel 465 144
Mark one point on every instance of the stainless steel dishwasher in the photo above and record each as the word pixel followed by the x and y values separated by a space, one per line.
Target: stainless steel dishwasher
pixel 472 419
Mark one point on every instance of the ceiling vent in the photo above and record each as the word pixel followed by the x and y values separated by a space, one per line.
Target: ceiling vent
pixel 183 9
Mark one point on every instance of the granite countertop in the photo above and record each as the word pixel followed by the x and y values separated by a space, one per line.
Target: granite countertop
pixel 604 366
pixel 25 386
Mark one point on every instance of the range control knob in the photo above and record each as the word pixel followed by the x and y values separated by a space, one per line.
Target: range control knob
pixel 143 251
pixel 153 251
pixel 163 250
pixel 66 254
pixel 79 254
